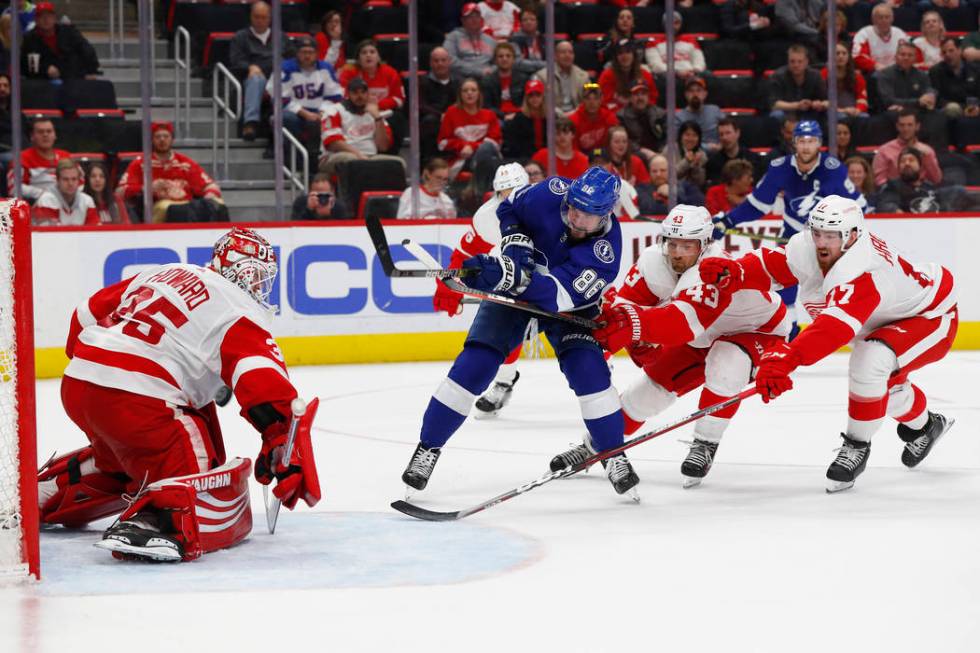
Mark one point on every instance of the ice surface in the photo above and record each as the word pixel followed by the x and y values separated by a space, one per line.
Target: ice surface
pixel 758 558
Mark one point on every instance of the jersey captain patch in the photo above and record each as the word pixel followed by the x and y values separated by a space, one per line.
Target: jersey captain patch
pixel 603 251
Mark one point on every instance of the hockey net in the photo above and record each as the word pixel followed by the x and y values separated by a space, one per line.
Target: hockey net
pixel 18 458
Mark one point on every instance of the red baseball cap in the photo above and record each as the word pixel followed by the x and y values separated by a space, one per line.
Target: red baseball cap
pixel 469 8
pixel 42 7
pixel 534 86
pixel 161 125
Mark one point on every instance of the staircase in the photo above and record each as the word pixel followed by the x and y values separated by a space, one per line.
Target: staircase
pixel 249 190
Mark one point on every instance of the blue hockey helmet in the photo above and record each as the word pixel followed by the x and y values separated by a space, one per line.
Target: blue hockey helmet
pixel 808 128
pixel 595 191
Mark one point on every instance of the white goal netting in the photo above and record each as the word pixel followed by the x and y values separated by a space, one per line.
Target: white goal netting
pixel 12 557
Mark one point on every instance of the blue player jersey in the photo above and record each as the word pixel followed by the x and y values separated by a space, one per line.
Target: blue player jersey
pixel 800 192
pixel 569 275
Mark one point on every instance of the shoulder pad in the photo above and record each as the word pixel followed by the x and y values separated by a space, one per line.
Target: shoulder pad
pixel 831 163
pixel 775 163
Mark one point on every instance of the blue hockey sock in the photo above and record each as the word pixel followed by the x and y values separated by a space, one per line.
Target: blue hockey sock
pixel 588 376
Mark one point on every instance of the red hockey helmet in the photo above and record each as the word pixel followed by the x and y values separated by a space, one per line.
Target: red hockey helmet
pixel 246 259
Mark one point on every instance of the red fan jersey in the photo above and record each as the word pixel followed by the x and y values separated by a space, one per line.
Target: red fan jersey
pixel 187 180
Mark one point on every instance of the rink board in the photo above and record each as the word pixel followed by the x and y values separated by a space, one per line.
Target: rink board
pixel 337 306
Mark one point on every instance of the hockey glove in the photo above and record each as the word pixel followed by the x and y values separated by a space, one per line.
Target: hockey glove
pixel 772 379
pixel 622 327
pixel 722 224
pixel 496 274
pixel 446 300
pixel 297 478
pixel 724 273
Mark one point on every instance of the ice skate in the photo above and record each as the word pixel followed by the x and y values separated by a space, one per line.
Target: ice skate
pixel 852 457
pixel 918 443
pixel 416 475
pixel 620 472
pixel 495 398
pixel 698 462
pixel 574 456
pixel 140 538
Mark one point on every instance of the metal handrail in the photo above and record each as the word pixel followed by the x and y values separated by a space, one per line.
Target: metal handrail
pixel 116 29
pixel 182 81
pixel 296 183
pixel 221 105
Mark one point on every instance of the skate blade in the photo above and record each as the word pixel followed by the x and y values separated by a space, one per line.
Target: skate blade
pixel 691 482
pixel 409 492
pixel 838 486
pixel 479 414
pixel 633 494
pixel 153 554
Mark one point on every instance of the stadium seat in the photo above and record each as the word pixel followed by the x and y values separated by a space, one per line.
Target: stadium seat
pixel 371 20
pixel 34 114
pixel 100 114
pixel 378 204
pixel 732 88
pixel 960 19
pixel 758 131
pixel 648 19
pixel 726 53
pixel 585 18
pixel 587 53
pixel 393 49
pixel 907 18
pixel 701 18
pixel 355 177
pixel 38 94
pixel 216 49
pixel 87 94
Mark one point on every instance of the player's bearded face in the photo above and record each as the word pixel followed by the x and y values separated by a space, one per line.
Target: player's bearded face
pixel 807 149
pixel 682 253
pixel 581 224
pixel 829 247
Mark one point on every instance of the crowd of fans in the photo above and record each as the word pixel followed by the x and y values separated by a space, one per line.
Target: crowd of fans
pixel 482 102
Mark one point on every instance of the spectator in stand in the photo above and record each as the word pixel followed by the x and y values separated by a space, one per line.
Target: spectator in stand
pixel 65 204
pixel 736 184
pixel 469 46
pixel 623 28
pixel 746 20
pixel 909 191
pixel 729 149
pixel 886 163
pixel 5 42
pixel 569 161
pixel 384 86
pixel 785 145
pixel 434 204
pixel 971 45
pixel 692 159
pixel 321 203
pixel 902 85
pixel 503 89
pixel 687 193
pixel 930 42
pixel 875 46
pixel 501 18
pixel 840 26
pixel 182 191
pixel 330 45
pixel 592 120
pixel 644 122
pixel 570 79
pixel 621 74
pixel 437 91
pixel 846 148
pixel 529 42
pixel 797 88
pixel 6 156
pixel 688 58
pixel 622 162
pixel 524 132
pixel 955 81
pixel 56 51
pixel 471 135
pixel 38 162
pixel 859 172
pixel 698 110
pixel 800 19
pixel 852 90
pixel 535 172
pixel 250 59
pixel 306 84
pixel 108 205
pixel 354 129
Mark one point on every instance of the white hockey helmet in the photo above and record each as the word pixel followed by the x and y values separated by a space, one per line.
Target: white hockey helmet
pixel 838 214
pixel 510 175
pixel 687 222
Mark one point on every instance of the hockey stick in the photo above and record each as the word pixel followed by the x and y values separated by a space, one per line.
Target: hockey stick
pixel 527 307
pixel 380 241
pixel 431 515
pixel 424 257
pixel 752 236
pixel 272 503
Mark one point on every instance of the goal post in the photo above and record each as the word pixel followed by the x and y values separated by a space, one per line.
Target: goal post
pixel 19 546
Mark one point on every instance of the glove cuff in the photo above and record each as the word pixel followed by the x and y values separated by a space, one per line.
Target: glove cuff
pixel 516 240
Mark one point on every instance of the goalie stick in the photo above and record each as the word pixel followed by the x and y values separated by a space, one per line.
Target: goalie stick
pixel 272 502
pixel 431 515
pixel 449 277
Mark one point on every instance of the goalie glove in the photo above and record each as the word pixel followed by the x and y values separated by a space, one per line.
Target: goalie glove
pixel 296 478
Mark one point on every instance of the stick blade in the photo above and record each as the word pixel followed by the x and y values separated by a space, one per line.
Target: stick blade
pixel 412 510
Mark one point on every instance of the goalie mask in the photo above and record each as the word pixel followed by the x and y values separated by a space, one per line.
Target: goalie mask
pixel 246 259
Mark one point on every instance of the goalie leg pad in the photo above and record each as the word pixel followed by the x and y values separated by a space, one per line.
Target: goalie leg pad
pixel 73 491
pixel 207 511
